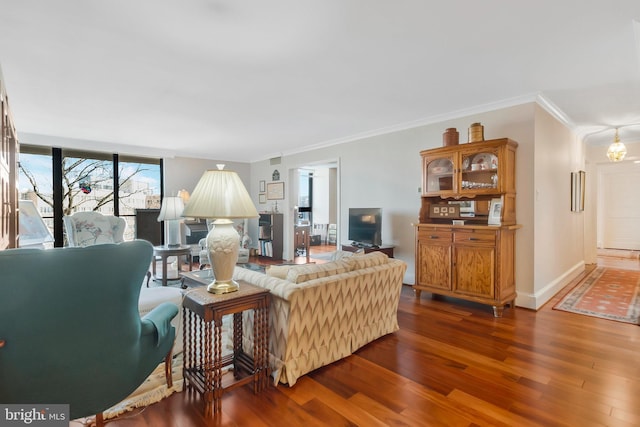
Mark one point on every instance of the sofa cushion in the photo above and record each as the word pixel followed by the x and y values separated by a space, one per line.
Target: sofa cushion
pixel 279 271
pixel 306 272
pixel 371 259
pixel 338 255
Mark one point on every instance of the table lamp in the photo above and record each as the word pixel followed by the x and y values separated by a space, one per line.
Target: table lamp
pixel 171 213
pixel 220 195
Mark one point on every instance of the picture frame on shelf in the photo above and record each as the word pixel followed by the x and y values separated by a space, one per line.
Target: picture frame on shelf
pixel 275 191
pixel 495 212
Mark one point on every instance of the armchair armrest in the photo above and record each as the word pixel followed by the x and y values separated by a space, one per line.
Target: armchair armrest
pixel 158 321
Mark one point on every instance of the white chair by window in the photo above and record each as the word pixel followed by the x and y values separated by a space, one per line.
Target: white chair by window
pixel 93 228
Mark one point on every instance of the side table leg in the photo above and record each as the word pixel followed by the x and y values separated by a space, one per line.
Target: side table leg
pixel 237 343
pixel 217 367
pixel 257 347
pixel 209 380
pixel 264 356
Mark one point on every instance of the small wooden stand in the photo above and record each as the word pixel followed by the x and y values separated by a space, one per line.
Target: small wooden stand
pixel 203 361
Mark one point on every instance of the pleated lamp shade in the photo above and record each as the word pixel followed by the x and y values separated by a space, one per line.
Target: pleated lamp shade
pixel 220 194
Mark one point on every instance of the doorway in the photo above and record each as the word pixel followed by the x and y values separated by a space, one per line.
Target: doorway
pixel 316 208
pixel 618 223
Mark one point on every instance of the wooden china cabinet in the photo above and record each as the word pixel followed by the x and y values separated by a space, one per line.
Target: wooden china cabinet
pixel 465 241
pixel 8 174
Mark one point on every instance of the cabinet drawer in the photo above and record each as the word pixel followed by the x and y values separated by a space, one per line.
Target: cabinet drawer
pixel 475 236
pixel 439 235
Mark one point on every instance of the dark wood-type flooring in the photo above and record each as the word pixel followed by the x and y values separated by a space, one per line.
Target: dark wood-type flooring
pixel 450 364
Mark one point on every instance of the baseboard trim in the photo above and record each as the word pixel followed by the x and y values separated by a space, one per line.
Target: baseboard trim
pixel 536 300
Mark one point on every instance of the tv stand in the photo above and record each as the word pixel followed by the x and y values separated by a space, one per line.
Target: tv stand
pixel 388 250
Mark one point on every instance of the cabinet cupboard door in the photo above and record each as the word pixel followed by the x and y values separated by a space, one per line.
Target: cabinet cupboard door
pixel 439 175
pixel 474 269
pixel 480 172
pixel 434 266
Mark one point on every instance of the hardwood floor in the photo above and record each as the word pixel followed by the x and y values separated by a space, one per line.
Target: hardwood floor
pixel 616 258
pixel 450 364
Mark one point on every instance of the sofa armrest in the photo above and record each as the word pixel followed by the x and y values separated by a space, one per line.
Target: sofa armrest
pixel 278 287
pixel 158 321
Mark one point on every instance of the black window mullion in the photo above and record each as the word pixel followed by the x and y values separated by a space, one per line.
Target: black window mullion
pixel 116 186
pixel 58 234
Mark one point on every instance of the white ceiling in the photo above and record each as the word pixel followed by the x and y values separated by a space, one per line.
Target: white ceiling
pixel 246 80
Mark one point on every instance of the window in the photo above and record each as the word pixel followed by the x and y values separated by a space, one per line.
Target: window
pixel 88 181
pixel 139 187
pixel 305 195
pixel 35 181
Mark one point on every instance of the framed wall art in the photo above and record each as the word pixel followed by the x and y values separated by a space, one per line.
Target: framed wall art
pixel 495 212
pixel 262 186
pixel 275 191
pixel 262 198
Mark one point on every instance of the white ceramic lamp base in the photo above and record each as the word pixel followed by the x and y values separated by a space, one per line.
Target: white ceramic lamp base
pixel 223 244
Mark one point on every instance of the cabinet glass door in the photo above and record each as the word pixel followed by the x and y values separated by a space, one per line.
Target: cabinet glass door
pixel 439 175
pixel 479 171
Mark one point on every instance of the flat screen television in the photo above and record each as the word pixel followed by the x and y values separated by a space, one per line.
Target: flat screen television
pixel 365 226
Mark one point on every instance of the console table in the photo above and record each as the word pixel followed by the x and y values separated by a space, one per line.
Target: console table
pixel 388 250
pixel 203 360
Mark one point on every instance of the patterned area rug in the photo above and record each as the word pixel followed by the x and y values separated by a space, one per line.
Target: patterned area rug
pixel 151 391
pixel 154 388
pixel 606 293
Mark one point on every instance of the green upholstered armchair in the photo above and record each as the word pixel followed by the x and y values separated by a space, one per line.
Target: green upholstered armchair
pixel 70 330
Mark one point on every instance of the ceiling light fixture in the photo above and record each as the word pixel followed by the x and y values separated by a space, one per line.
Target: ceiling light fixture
pixel 617 150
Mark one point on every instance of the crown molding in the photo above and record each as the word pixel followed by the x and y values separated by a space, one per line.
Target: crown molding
pixel 478 109
pixel 555 111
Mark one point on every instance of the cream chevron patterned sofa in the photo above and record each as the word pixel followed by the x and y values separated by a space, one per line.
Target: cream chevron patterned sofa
pixel 321 313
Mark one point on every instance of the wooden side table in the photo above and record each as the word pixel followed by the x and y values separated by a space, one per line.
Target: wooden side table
pixel 203 360
pixel 165 252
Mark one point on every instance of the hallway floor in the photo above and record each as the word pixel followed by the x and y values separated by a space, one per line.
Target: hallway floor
pixel 618 258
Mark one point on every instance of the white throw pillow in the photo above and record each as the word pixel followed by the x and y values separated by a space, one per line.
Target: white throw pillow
pixel 279 271
pixel 93 232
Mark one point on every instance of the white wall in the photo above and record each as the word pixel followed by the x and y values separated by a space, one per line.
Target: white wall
pixel 385 171
pixel 184 173
pixel 558 233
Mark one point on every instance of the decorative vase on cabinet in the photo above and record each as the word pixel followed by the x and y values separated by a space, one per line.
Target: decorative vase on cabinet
pixel 473 261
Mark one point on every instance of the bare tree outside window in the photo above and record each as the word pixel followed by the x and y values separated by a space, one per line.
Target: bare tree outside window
pixel 88 185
